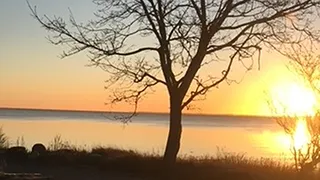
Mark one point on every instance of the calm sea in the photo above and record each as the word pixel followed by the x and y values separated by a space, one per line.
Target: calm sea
pixel 147 132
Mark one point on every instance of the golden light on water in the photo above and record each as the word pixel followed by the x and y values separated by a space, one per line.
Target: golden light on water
pixel 301 135
pixel 281 143
pixel 299 139
pixel 295 100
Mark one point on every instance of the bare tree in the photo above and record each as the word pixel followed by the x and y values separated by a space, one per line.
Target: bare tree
pixel 305 62
pixel 306 156
pixel 143 43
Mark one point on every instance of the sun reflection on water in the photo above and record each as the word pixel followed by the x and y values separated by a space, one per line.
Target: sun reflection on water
pixel 301 135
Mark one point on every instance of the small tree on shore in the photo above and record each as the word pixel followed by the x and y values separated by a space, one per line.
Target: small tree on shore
pixel 144 43
pixel 306 156
pixel 305 62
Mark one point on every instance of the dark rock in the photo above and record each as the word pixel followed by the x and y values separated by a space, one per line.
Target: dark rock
pixel 39 149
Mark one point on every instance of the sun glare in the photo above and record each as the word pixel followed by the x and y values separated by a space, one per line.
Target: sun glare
pixel 293 100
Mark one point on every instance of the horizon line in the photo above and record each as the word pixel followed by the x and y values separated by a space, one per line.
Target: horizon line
pixel 140 112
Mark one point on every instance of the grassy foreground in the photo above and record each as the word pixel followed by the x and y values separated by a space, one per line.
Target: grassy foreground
pixel 227 166
pixel 148 166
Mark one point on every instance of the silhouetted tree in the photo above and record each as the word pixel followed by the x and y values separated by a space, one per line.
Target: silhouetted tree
pixel 143 43
pixel 304 60
pixel 306 156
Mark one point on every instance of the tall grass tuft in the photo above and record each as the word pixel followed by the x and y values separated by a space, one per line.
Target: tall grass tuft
pixel 4 140
pixel 58 144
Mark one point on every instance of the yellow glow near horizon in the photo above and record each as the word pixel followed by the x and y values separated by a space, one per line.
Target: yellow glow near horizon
pixel 293 99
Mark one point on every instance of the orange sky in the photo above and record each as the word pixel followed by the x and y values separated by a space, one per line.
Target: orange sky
pixel 32 75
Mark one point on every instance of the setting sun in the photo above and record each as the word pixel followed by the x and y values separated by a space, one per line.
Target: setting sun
pixel 293 99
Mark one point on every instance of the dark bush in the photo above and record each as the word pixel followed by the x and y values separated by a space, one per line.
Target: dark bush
pixel 16 153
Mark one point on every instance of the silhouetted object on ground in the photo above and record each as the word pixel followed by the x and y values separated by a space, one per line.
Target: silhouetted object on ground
pixel 144 43
pixel 39 149
pixel 16 153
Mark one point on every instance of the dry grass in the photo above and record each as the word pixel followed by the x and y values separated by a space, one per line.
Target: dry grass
pixel 4 140
pixel 150 166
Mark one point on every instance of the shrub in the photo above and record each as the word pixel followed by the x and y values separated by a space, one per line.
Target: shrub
pixel 58 143
pixel 4 140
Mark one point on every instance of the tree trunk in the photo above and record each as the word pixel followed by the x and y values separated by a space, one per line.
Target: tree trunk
pixel 175 129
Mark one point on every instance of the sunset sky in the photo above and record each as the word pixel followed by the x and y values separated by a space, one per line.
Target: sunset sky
pixel 33 76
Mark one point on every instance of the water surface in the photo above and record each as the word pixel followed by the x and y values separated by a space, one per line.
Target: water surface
pixel 255 136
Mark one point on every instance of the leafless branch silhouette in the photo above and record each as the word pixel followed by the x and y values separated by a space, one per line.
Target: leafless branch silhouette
pixel 143 43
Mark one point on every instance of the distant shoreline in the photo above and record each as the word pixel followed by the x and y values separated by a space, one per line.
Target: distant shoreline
pixel 157 113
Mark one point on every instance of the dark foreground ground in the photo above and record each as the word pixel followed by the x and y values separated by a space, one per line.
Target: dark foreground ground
pixel 90 173
pixel 69 173
pixel 107 163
